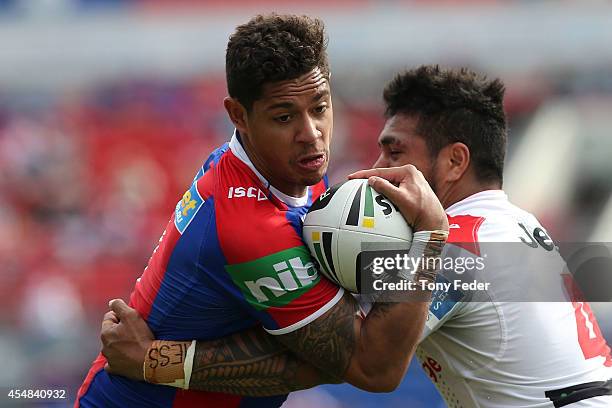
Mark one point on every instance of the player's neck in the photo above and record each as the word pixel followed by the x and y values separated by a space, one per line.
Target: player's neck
pixel 462 189
pixel 263 168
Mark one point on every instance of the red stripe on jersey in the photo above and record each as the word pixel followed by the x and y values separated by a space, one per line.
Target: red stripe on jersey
pixel 249 227
pixel 305 305
pixel 591 340
pixel 147 286
pixel 189 399
pixel 96 366
pixel 463 232
pixel 318 189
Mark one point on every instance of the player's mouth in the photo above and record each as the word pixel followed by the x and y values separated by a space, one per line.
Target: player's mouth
pixel 312 162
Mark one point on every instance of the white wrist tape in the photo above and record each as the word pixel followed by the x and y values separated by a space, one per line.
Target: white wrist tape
pixel 189 364
pixel 178 372
pixel 424 244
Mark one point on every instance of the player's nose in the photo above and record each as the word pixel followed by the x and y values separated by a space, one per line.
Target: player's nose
pixel 309 131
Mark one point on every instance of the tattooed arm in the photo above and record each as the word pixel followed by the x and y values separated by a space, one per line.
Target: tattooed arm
pixel 371 353
pixel 255 363
pixel 250 363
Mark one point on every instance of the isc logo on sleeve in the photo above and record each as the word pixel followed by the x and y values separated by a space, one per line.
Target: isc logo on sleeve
pixel 187 208
pixel 250 192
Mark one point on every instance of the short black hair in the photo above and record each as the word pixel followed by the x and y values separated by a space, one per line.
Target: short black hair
pixel 271 48
pixel 454 105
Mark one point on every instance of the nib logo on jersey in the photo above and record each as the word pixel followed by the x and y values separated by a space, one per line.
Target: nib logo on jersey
pixel 277 279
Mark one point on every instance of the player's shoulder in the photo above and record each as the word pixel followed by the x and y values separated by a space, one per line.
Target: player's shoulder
pixel 212 160
pixel 251 222
pixel 225 178
pixel 465 227
pixel 238 191
pixel 223 188
pixel 487 216
pixel 507 222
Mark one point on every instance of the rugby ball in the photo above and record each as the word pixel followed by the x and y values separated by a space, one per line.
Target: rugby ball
pixel 347 219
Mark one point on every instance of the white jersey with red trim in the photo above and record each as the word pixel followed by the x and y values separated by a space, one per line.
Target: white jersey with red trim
pixel 497 353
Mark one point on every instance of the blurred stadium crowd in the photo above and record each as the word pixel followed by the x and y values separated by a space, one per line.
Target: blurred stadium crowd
pixel 89 177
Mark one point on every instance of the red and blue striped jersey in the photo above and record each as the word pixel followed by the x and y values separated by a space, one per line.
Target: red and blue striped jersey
pixel 231 257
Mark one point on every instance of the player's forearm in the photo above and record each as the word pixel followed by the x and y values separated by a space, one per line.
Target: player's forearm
pixel 385 344
pixel 371 353
pixel 251 363
pixel 401 318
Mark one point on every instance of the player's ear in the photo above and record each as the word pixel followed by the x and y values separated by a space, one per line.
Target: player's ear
pixel 237 114
pixel 457 159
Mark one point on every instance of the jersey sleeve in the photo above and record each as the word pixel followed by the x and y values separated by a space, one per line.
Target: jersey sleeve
pixel 270 270
pixel 445 304
pixel 284 289
pixel 460 263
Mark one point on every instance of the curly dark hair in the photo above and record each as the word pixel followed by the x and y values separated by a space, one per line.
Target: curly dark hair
pixel 273 48
pixel 454 105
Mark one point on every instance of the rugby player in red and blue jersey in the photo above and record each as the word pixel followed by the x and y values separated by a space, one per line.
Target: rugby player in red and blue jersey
pixel 231 270
pixel 478 352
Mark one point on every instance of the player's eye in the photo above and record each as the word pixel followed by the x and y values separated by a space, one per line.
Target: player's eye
pixel 320 109
pixel 283 118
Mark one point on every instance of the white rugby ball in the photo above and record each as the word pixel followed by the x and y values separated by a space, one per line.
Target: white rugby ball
pixel 347 219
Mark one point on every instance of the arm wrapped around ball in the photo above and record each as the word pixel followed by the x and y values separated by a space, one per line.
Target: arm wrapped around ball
pixel 370 352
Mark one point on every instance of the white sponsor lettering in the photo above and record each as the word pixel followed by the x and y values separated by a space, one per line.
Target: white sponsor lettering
pixel 286 279
pixel 303 271
pixel 251 192
pixel 325 194
pixel 265 282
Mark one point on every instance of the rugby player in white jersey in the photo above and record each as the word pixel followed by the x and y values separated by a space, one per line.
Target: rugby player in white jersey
pixel 500 352
pixel 509 350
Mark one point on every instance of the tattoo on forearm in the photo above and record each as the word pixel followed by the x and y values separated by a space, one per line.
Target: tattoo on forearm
pixel 331 335
pixel 381 309
pixel 251 363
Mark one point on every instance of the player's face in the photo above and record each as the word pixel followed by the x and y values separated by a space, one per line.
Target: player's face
pixel 289 132
pixel 400 144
